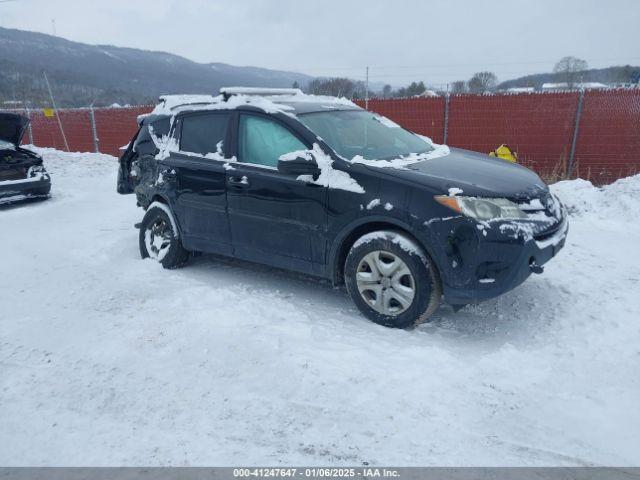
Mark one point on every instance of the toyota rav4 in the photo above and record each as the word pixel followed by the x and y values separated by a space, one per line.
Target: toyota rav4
pixel 318 185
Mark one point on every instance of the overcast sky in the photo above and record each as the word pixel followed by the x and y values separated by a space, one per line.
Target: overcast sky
pixel 436 41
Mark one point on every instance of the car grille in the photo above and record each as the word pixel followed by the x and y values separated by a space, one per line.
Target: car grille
pixel 546 211
pixel 548 232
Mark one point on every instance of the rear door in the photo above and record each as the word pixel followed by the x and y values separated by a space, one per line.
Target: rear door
pixel 274 218
pixel 200 196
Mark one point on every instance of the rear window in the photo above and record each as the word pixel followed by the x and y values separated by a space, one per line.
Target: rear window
pixel 202 133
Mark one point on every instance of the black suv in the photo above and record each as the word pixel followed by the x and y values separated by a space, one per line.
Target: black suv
pixel 321 186
pixel 22 174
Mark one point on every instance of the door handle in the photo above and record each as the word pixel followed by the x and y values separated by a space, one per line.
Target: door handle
pixel 235 182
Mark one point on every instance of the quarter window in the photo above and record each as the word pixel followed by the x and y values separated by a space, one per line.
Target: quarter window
pixel 202 133
pixel 263 141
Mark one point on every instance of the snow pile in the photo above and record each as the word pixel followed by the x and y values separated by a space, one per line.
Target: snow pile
pixel 109 359
pixel 620 200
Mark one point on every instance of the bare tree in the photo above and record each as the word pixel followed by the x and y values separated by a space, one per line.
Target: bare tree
pixel 337 87
pixel 386 91
pixel 482 82
pixel 459 86
pixel 569 70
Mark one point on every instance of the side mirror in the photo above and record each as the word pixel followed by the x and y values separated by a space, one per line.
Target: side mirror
pixel 298 165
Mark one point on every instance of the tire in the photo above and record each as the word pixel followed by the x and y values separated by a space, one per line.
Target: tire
pixel 158 238
pixel 392 281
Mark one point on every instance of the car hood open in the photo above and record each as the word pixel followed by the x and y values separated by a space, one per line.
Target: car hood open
pixel 476 174
pixel 12 127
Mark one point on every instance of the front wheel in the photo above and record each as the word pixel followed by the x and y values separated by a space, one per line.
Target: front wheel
pixel 392 280
pixel 159 239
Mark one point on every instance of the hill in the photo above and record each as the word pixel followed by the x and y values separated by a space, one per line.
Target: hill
pixel 609 75
pixel 81 74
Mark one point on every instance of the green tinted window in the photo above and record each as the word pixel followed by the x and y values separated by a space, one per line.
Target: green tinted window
pixel 263 141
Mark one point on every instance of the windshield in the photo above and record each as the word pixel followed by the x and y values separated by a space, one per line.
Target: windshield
pixel 358 132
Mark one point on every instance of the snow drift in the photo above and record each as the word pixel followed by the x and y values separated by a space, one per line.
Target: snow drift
pixel 109 359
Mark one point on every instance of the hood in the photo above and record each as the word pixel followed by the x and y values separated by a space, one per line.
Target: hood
pixel 12 127
pixel 476 174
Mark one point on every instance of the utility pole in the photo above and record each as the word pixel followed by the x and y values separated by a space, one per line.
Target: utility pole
pixel 55 111
pixel 53 26
pixel 366 91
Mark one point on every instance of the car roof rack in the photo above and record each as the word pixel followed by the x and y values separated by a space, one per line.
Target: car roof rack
pixel 228 92
pixel 180 100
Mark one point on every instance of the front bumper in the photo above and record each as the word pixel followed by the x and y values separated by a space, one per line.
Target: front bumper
pixel 17 190
pixel 500 263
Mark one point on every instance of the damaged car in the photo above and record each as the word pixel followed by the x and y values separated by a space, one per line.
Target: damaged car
pixel 22 174
pixel 321 186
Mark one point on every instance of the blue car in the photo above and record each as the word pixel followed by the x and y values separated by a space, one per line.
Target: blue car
pixel 319 185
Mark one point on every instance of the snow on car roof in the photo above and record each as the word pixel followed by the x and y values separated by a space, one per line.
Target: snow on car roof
pixel 271 100
pixel 260 91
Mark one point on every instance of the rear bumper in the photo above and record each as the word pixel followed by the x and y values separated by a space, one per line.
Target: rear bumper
pixel 501 266
pixel 14 191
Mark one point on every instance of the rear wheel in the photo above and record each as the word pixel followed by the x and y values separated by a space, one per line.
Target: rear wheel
pixel 158 238
pixel 392 280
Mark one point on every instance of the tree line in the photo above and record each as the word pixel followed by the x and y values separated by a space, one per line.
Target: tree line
pixel 568 70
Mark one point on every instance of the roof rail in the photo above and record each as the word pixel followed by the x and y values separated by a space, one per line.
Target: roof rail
pixel 230 91
pixel 174 101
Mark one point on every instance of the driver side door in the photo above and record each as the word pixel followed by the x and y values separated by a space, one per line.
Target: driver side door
pixel 274 218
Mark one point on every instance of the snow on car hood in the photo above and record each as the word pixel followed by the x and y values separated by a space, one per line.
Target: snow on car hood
pixel 473 173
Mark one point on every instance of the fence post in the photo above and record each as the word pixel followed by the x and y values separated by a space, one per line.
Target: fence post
pixel 94 131
pixel 575 133
pixel 29 129
pixel 446 119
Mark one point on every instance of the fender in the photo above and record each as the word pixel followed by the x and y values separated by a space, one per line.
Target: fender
pixel 334 253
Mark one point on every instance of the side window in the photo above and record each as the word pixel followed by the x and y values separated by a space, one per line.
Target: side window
pixel 202 133
pixel 263 141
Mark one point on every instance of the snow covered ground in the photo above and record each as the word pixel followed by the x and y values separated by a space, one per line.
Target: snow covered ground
pixel 108 359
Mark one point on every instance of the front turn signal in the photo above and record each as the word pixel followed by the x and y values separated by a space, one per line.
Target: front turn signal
pixel 449 202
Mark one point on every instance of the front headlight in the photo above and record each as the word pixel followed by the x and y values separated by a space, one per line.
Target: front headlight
pixel 483 209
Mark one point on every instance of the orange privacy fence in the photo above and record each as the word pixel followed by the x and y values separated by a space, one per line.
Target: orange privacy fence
pixel 592 134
